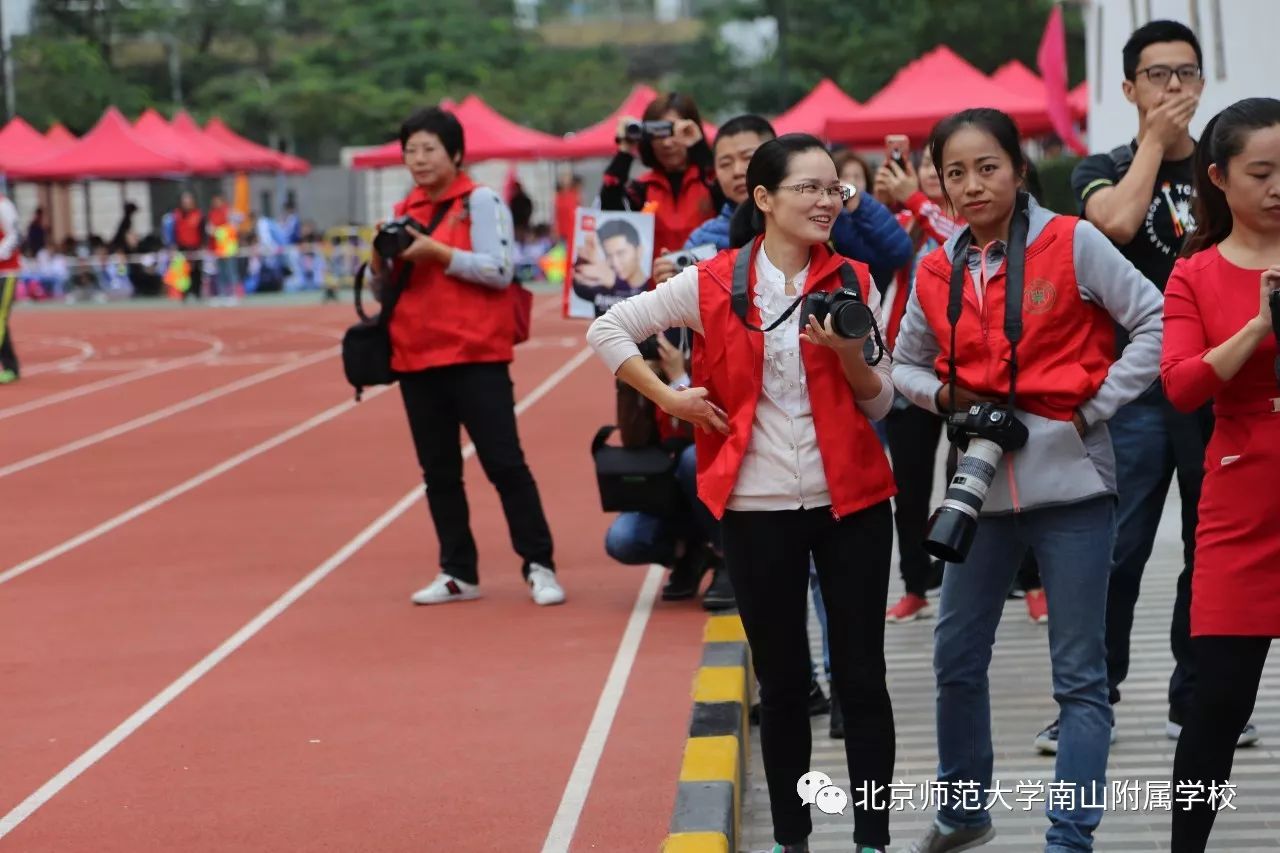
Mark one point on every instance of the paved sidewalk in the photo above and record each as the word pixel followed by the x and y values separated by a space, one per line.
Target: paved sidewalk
pixel 1021 705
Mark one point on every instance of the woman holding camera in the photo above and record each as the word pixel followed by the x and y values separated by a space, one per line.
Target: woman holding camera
pixel 676 189
pixel 787 460
pixel 452 334
pixel 1220 344
pixel 1016 314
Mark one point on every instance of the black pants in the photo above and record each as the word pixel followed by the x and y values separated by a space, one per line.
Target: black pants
pixel 767 554
pixel 480 397
pixel 1228 670
pixel 8 288
pixel 913 435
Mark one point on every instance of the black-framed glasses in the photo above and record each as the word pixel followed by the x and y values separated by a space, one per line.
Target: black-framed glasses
pixel 835 192
pixel 1160 75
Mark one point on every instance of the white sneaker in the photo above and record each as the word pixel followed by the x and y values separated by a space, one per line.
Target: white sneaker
pixel 446 588
pixel 544 589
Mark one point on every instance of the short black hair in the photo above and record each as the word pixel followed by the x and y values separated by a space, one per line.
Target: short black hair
pixel 619 228
pixel 747 124
pixel 442 123
pixel 1156 32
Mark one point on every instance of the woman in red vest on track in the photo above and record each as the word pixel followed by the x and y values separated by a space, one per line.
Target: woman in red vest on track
pixel 677 188
pixel 1221 331
pixel 788 460
pixel 10 266
pixel 1052 366
pixel 452 338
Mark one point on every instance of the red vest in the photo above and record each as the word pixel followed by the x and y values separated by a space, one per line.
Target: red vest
pixel 728 360
pixel 14 261
pixel 1067 346
pixel 186 228
pixel 675 219
pixel 440 320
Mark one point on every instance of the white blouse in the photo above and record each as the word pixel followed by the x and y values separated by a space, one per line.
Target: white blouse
pixel 782 468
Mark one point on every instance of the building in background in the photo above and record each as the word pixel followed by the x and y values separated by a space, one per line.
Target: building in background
pixel 1238 38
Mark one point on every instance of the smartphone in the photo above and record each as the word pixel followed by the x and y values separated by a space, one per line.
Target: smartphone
pixel 896 147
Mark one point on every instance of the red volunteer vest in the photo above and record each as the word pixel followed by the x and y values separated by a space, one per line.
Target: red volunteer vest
pixel 440 320
pixel 728 360
pixel 14 261
pixel 675 219
pixel 1067 346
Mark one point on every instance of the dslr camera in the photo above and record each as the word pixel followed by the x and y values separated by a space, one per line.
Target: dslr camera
pixel 985 431
pixel 637 130
pixel 850 316
pixel 394 236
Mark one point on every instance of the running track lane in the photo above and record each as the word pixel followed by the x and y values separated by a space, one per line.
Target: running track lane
pixel 490 649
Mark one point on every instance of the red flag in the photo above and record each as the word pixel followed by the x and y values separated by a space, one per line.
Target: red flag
pixel 1052 60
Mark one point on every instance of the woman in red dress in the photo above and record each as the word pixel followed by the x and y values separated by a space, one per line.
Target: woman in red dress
pixel 1220 344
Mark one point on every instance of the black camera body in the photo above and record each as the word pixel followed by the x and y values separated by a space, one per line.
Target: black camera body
pixel 850 316
pixel 989 421
pixel 637 130
pixel 394 236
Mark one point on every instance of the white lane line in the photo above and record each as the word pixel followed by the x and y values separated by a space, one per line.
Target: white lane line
pixel 161 414
pixel 85 348
pixel 565 823
pixel 215 348
pixel 158 702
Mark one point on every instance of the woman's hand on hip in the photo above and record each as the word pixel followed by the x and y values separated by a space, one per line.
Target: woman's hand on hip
pixel 692 405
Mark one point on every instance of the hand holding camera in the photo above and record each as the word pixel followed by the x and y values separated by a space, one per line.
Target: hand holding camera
pixel 403 239
pixel 668 264
pixel 1269 300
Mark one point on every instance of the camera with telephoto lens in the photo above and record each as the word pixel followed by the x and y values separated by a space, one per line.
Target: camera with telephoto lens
pixel 637 130
pixel 394 236
pixel 985 431
pixel 850 316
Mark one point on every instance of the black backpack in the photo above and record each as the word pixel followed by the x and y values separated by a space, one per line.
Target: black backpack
pixel 366 346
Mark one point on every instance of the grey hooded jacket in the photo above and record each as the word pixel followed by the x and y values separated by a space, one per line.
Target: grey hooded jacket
pixel 1056 466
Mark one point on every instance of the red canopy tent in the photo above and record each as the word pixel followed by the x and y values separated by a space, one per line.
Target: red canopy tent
pixel 236 159
pixel 1078 99
pixel 1016 77
pixel 159 134
pixel 599 140
pixel 927 90
pixel 59 135
pixel 810 114
pixel 112 150
pixel 21 143
pixel 218 131
pixel 489 136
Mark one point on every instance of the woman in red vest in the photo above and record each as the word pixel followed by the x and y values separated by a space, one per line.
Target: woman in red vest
pixel 1039 345
pixel 788 460
pixel 1220 343
pixel 452 334
pixel 10 266
pixel 677 188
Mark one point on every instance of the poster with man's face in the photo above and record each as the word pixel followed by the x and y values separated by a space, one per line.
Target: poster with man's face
pixel 612 260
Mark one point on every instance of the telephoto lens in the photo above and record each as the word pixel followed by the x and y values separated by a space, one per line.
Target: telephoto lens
pixel 951 529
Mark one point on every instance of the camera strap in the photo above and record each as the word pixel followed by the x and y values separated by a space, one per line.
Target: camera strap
pixel 1015 262
pixel 741 286
pixel 392 294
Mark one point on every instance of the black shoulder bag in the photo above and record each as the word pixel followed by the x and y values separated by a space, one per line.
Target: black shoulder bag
pixel 366 346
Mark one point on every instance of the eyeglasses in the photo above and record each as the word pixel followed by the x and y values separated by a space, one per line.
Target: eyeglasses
pixel 1160 75
pixel 835 192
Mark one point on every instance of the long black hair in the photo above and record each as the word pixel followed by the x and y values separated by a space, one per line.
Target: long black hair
pixel 1224 137
pixel 993 122
pixel 768 169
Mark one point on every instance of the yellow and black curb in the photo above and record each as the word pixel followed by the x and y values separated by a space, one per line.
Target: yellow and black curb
pixel 708 811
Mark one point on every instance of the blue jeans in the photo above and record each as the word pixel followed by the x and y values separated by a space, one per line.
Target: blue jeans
pixel 638 538
pixel 1073 546
pixel 1153 442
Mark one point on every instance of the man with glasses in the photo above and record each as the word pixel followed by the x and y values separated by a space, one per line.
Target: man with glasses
pixel 1139 195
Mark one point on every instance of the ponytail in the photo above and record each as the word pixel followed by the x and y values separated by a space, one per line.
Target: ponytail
pixel 1224 138
pixel 1212 214
pixel 747 224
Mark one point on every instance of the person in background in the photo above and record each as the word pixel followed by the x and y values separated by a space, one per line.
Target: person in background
pixel 866 229
pixel 36 236
pixel 1140 196
pixel 568 198
pixel 1055 495
pixel 189 237
pixel 452 338
pixel 676 189
pixel 10 266
pixel 854 170
pixel 827 496
pixel 1220 344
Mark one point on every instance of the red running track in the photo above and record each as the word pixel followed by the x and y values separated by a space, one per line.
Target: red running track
pixel 351 720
